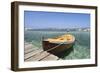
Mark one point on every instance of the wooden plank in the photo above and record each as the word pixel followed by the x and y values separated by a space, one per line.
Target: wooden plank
pixel 32 53
pixel 30 49
pixel 38 56
pixel 50 57
pixel 28 46
pixel 26 43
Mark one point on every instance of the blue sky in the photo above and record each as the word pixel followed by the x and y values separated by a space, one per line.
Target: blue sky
pixel 40 19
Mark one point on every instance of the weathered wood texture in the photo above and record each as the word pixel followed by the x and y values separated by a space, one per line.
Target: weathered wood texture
pixel 32 53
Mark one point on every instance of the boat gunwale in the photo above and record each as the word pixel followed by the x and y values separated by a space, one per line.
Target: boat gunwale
pixel 61 42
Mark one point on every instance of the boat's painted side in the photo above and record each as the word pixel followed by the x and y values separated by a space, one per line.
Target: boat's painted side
pixel 47 45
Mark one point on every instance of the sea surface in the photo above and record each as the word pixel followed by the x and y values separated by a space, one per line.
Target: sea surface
pixel 81 48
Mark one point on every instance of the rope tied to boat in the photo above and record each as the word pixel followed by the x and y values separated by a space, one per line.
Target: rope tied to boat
pixel 52 48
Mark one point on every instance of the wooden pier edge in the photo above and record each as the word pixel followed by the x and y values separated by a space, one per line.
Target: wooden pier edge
pixel 32 53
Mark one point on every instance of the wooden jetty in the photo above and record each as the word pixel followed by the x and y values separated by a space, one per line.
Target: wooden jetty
pixel 32 53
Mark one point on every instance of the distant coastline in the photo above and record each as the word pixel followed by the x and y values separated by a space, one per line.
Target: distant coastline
pixel 56 29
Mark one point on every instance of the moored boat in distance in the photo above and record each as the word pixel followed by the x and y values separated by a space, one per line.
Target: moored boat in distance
pixel 58 44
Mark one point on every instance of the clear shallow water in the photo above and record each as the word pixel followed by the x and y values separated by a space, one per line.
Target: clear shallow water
pixel 81 47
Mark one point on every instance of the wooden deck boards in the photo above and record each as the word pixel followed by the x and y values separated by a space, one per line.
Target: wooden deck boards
pixel 32 53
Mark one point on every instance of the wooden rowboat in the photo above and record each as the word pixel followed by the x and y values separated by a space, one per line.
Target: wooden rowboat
pixel 58 44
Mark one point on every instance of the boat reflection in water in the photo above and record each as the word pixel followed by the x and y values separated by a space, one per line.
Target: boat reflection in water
pixel 59 45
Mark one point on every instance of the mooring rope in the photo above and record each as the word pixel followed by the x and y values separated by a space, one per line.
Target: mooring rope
pixel 78 42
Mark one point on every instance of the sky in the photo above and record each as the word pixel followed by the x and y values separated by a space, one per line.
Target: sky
pixel 61 20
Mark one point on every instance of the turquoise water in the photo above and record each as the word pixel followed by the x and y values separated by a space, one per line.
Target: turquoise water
pixel 81 48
